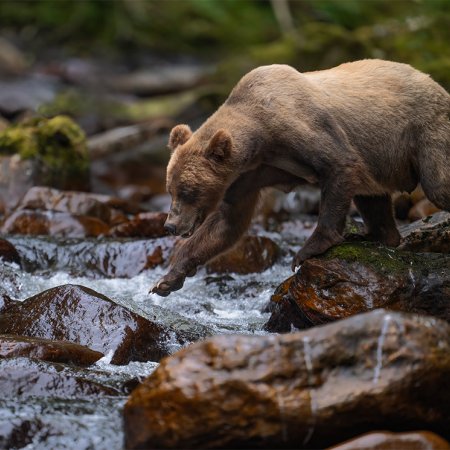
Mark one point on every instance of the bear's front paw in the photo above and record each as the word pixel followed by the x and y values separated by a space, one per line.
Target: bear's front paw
pixel 168 283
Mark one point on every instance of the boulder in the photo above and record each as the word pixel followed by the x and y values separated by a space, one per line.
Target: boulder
pixel 110 210
pixel 8 252
pixel 85 317
pixel 49 223
pixel 357 277
pixel 48 152
pixel 118 258
pixel 309 389
pixel 47 350
pixel 251 254
pixel 383 440
pixel 23 377
pixel 148 224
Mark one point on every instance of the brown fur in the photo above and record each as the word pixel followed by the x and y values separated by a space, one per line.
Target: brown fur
pixel 360 130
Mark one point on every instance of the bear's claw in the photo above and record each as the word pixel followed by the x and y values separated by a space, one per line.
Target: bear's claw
pixel 167 284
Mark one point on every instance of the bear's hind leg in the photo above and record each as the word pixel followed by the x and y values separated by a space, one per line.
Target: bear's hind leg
pixel 378 216
pixel 434 164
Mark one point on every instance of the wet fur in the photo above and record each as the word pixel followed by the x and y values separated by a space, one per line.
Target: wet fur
pixel 361 130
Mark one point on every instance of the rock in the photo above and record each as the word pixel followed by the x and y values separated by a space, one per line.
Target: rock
pixel 383 440
pixel 47 350
pixel 10 284
pixel 110 210
pixel 22 94
pixel 18 433
pixel 431 234
pixel 125 138
pixel 83 316
pixel 251 254
pixel 285 315
pixel 422 209
pixel 149 225
pixel 22 377
pixel 309 389
pixel 12 61
pixel 159 80
pixel 8 252
pixel 43 223
pixel 353 278
pixel 94 258
pixel 49 152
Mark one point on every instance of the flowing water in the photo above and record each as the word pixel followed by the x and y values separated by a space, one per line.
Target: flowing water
pixel 225 303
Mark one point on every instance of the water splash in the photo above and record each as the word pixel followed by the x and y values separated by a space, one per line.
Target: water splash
pixel 379 355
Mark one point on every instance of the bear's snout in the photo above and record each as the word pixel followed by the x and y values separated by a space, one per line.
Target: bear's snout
pixel 170 228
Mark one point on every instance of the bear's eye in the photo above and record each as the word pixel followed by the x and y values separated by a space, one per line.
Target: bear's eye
pixel 188 195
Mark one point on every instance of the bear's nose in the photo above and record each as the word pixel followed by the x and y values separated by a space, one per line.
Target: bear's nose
pixel 170 228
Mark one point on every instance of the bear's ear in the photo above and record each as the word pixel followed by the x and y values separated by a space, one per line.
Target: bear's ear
pixel 219 147
pixel 178 136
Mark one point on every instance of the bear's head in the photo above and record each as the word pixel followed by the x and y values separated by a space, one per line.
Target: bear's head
pixel 198 174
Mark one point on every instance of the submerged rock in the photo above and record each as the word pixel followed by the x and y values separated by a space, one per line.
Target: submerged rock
pixel 118 258
pixel 47 350
pixel 383 440
pixel 83 316
pixel 355 278
pixel 251 254
pixel 22 377
pixel 311 389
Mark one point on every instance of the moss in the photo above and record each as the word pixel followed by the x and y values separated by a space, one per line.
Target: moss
pixel 384 259
pixel 58 145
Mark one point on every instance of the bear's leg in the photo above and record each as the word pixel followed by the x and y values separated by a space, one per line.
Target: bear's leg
pixel 377 213
pixel 219 232
pixel 335 202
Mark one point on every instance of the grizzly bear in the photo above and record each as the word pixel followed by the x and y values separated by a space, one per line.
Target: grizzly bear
pixel 360 131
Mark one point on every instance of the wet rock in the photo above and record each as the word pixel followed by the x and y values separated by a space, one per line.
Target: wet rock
pixel 383 440
pixel 47 350
pixel 48 152
pixel 8 252
pixel 251 254
pixel 308 389
pixel 94 258
pixel 285 314
pixel 18 433
pixel 150 225
pixel 430 234
pixel 43 223
pixel 10 284
pixel 22 377
pixel 110 210
pixel 83 316
pixel 355 278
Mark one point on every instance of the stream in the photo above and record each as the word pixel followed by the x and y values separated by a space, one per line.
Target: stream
pixel 224 303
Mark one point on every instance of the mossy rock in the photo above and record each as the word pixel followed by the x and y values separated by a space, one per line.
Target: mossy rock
pixel 57 146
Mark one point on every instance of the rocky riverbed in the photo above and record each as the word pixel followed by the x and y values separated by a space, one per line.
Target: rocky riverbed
pixel 247 354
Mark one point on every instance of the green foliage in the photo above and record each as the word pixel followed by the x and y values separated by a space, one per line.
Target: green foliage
pixel 244 33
